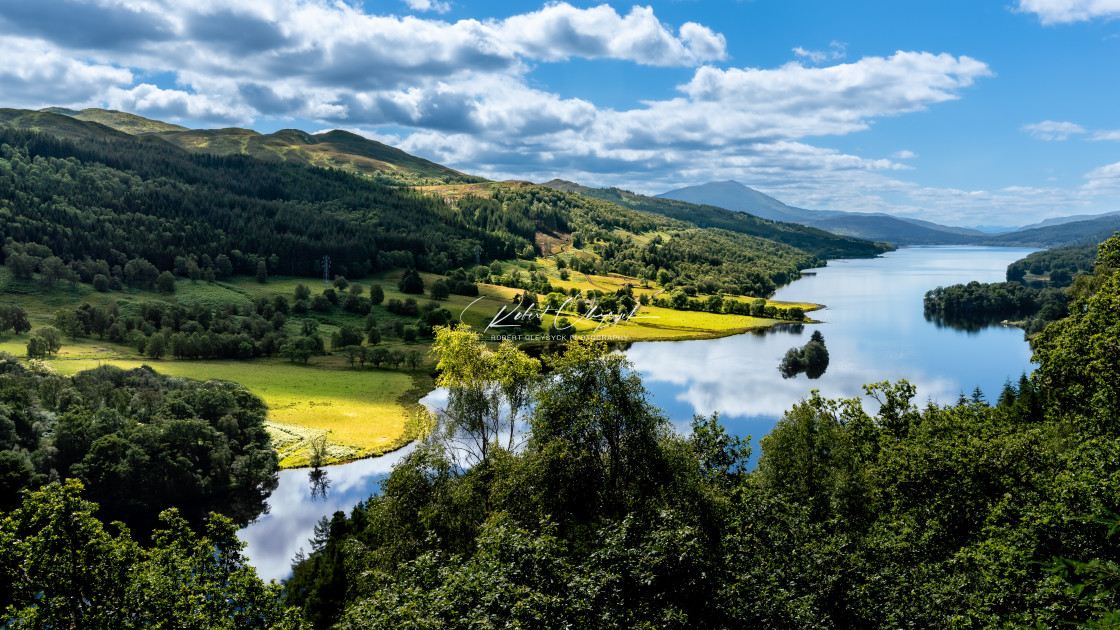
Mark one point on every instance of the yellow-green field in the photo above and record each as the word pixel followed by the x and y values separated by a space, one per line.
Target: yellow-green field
pixel 362 412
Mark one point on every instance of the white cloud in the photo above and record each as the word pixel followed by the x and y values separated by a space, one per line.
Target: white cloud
pixel 560 31
pixel 1052 130
pixel 1104 179
pixel 1106 134
pixel 177 105
pixel 35 74
pixel 428 5
pixel 836 50
pixel 463 93
pixel 1068 11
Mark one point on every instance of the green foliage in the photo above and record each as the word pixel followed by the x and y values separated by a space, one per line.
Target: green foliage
pixel 140 204
pixel 1079 356
pixel 60 568
pixel 812 359
pixel 140 442
pixel 966 516
pixel 975 305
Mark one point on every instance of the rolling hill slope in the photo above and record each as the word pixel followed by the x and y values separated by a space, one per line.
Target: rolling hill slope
pixel 332 149
pixel 875 227
pixel 815 241
pixel 1073 233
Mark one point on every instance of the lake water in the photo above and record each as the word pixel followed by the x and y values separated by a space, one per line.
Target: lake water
pixel 874 329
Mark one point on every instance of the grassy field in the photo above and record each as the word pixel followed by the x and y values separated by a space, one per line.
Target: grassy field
pixel 363 413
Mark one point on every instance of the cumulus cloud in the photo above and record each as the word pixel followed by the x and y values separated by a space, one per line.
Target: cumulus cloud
pixel 33 71
pixel 428 5
pixel 177 104
pixel 1106 134
pixel 1068 11
pixel 560 31
pixel 1052 130
pixel 463 93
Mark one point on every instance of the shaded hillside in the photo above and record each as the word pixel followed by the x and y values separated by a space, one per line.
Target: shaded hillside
pixel 815 241
pixel 127 207
pixel 734 196
pixel 890 229
pixel 115 197
pixel 1075 233
pixel 121 121
pixel 337 149
pixel 333 149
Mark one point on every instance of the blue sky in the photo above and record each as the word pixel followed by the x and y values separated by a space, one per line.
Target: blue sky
pixel 967 113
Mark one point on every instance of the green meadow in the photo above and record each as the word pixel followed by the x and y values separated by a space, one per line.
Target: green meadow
pixel 362 412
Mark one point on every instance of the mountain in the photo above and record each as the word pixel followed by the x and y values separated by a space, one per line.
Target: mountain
pixel 337 149
pixel 1063 220
pixel 82 199
pixel 813 240
pixel 121 121
pixel 732 195
pixel 1072 233
pixel 967 231
pixel 870 226
pixel 58 125
pixel 884 227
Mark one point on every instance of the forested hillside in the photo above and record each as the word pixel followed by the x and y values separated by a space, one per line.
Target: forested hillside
pixel 815 241
pixel 119 199
pixel 86 200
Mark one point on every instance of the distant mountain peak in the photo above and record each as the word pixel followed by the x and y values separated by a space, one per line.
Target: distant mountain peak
pixel 733 195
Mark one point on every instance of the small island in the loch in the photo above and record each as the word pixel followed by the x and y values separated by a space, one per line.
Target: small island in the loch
pixel 812 358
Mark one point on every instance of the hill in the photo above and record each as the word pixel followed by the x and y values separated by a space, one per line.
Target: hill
pixel 813 240
pixel 890 229
pixel 121 121
pixel 100 194
pixel 333 149
pixel 732 195
pixel 337 149
pixel 100 200
pixel 1073 233
pixel 1063 220
pixel 58 125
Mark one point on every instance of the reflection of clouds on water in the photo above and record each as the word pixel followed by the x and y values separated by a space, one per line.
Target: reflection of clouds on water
pixel 273 540
pixel 874 328
pixel 745 381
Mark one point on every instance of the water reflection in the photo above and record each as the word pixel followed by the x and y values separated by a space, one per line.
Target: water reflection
pixel 876 331
pixel 320 483
pixel 273 539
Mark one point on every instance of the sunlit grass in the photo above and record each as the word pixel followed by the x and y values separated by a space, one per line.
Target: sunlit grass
pixel 363 412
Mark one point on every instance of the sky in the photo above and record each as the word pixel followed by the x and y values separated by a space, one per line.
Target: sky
pixel 961 112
